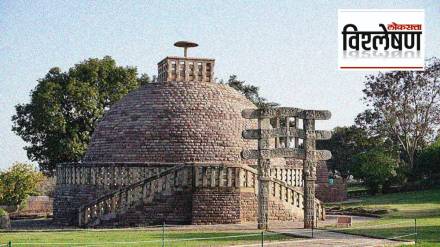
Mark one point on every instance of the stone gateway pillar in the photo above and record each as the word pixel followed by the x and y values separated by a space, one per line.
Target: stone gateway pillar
pixel 308 153
pixel 309 169
pixel 263 176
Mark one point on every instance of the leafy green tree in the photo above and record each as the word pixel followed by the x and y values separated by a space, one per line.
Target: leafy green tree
pixel 18 182
pixel 376 168
pixel 65 106
pixel 429 162
pixel 249 91
pixel 404 106
pixel 344 144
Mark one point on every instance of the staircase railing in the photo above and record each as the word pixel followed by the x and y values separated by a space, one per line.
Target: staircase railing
pixel 293 196
pixel 289 194
pixel 120 200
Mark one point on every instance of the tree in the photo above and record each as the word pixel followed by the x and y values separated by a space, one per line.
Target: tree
pixel 65 107
pixel 376 168
pixel 344 144
pixel 18 182
pixel 428 161
pixel 404 106
pixel 249 91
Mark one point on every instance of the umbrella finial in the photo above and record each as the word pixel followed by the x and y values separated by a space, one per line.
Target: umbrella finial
pixel 185 45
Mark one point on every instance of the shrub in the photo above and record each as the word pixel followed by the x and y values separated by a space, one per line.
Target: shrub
pixel 3 212
pixel 18 182
pixel 376 168
pixel 428 162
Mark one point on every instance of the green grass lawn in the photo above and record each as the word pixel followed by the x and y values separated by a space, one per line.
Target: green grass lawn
pixel 131 237
pixel 356 188
pixel 399 212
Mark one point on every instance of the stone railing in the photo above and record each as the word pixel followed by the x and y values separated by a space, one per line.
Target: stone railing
pixel 107 174
pixel 119 201
pixel 292 176
pixel 138 183
pixel 186 69
pixel 220 175
pixel 208 175
pixel 123 174
pixel 292 196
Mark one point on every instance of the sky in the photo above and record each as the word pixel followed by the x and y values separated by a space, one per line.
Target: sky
pixel 287 48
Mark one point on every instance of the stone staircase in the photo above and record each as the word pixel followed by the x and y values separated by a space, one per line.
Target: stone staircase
pixel 163 196
pixel 163 208
pixel 108 208
pixel 291 197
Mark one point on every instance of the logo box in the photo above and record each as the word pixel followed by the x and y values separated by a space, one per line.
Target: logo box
pixel 381 39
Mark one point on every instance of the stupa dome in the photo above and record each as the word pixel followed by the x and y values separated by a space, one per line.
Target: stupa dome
pixel 174 121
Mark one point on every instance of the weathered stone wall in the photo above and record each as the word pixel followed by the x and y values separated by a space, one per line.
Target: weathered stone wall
pixel 216 206
pixel 248 206
pixel 277 210
pixel 5 222
pixel 174 208
pixel 332 193
pixel 68 199
pixel 171 209
pixel 37 205
pixel 324 191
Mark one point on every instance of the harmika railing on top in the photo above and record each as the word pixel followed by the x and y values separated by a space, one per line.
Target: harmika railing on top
pixel 186 69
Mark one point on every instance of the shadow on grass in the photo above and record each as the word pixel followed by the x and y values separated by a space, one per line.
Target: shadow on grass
pixel 429 234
